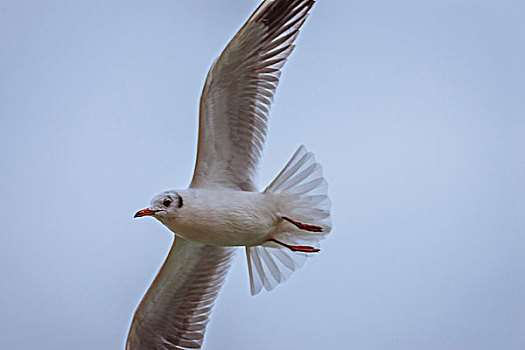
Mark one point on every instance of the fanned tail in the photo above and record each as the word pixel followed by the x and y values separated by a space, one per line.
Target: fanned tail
pixel 305 199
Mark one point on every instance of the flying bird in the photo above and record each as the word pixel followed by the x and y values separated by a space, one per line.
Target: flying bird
pixel 222 208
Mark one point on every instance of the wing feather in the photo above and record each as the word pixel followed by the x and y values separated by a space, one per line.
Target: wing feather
pixel 238 93
pixel 175 310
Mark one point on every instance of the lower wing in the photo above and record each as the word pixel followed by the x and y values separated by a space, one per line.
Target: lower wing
pixel 175 310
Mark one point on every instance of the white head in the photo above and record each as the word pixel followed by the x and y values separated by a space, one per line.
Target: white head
pixel 163 206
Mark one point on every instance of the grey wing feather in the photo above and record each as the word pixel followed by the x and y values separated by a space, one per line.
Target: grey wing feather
pixel 174 312
pixel 238 93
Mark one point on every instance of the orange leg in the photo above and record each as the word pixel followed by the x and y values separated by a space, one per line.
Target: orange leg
pixel 297 248
pixel 311 228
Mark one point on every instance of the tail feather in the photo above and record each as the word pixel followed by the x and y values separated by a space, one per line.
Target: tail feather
pixel 269 266
pixel 302 185
pixel 300 157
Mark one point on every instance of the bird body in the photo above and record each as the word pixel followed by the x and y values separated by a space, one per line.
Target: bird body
pixel 223 217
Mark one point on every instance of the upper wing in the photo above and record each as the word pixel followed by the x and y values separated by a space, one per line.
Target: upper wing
pixel 175 310
pixel 238 93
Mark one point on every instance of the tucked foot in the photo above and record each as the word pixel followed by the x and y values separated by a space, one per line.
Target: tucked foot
pixel 311 228
pixel 297 248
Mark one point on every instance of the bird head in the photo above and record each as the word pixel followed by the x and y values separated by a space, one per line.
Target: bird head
pixel 162 206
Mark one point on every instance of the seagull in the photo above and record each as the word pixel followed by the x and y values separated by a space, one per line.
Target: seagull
pixel 222 208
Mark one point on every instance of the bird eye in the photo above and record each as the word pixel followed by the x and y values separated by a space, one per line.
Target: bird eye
pixel 166 202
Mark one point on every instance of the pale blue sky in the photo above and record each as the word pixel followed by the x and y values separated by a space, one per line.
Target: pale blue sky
pixel 416 110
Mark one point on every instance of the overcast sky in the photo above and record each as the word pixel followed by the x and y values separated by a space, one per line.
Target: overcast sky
pixel 416 110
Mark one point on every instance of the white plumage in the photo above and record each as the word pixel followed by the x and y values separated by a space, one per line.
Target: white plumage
pixel 222 207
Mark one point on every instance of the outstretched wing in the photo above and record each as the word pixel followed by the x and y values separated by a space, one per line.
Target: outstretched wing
pixel 175 310
pixel 238 93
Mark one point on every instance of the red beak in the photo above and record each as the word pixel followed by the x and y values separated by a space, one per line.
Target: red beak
pixel 145 212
